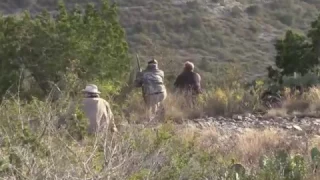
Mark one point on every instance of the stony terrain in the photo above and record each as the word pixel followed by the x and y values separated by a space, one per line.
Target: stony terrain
pixel 239 123
pixel 295 126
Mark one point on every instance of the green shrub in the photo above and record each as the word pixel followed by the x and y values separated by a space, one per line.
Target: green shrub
pixel 46 47
pixel 253 10
pixel 285 18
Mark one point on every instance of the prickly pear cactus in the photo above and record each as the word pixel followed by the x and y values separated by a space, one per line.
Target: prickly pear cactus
pixel 238 168
pixel 237 171
pixel 299 168
pixel 282 156
pixel 315 156
pixel 283 166
pixel 298 160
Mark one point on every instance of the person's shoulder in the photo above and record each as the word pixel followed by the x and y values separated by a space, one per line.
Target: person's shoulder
pixel 197 75
pixel 105 102
pixel 102 99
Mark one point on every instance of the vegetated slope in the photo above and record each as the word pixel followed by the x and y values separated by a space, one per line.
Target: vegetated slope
pixel 210 32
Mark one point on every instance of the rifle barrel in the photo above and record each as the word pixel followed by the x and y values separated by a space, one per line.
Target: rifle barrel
pixel 138 62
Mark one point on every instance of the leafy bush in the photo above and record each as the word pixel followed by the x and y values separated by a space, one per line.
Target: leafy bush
pixel 285 18
pixel 90 44
pixel 253 10
pixel 296 54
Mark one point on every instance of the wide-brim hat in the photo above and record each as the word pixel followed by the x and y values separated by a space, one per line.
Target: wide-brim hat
pixel 91 88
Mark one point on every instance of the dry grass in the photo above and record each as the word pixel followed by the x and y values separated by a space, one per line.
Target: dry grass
pixel 203 138
pixel 315 141
pixel 307 104
pixel 169 149
pixel 279 112
pixel 248 146
pixel 254 143
pixel 216 102
pixel 224 102
pixel 208 138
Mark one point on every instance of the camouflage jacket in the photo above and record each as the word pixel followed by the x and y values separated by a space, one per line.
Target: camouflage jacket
pixel 151 80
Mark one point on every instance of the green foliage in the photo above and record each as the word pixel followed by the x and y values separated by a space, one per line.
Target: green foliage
pixel 285 18
pixel 307 80
pixel 315 156
pixel 141 175
pixel 314 34
pixel 19 138
pixel 193 31
pixel 297 54
pixel 165 152
pixel 253 10
pixel 237 171
pixel 77 125
pixel 283 166
pixel 294 54
pixel 91 45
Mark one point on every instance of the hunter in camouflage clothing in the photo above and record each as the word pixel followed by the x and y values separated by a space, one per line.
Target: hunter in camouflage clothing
pixel 151 80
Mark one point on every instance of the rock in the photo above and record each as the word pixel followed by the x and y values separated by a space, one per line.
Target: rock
pixel 259 116
pixel 210 119
pixel 258 124
pixel 278 119
pixel 288 127
pixel 317 121
pixel 220 118
pixel 248 115
pixel 237 117
pixel 297 127
pixel 247 119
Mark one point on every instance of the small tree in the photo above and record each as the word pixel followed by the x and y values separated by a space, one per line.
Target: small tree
pixel 294 54
pixel 314 35
pixel 89 43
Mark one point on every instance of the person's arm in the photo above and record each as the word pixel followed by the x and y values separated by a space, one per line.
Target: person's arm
pixel 111 117
pixel 138 80
pixel 162 75
pixel 198 83
pixel 177 82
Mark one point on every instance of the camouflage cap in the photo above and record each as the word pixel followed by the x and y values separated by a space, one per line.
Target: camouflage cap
pixel 153 61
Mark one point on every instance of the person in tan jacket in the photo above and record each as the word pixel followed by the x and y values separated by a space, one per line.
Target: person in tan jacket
pixel 97 110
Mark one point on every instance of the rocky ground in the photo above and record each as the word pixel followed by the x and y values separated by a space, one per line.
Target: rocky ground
pixel 239 123
pixel 299 125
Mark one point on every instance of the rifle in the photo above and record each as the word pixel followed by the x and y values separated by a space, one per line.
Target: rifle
pixel 131 81
pixel 138 63
pixel 139 71
pixel 139 67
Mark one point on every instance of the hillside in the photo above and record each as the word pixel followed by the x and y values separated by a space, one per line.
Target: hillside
pixel 230 132
pixel 210 33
